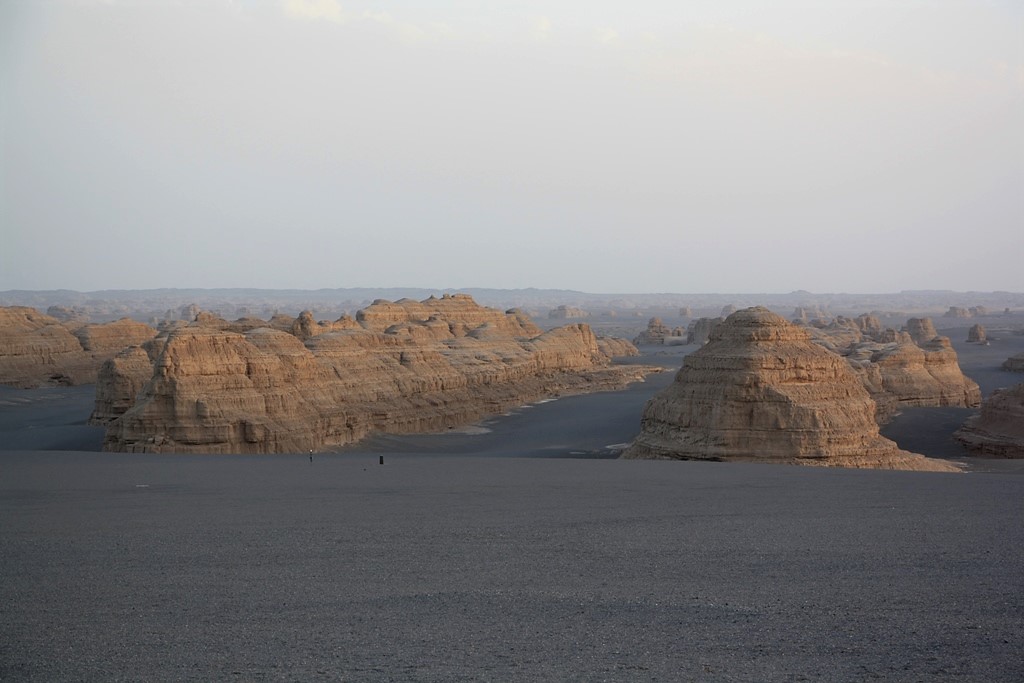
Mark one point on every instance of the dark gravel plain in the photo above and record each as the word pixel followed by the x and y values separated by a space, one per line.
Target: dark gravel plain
pixel 516 553
pixel 435 568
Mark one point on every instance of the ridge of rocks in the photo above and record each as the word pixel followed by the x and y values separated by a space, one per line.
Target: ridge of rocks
pixel 399 367
pixel 37 349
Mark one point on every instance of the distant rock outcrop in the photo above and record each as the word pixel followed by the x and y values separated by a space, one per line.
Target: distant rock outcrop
pixel 1014 363
pixel 37 349
pixel 921 330
pixel 408 366
pixel 903 374
pixel 998 431
pixel 957 312
pixel 977 334
pixel 654 334
pixel 685 312
pixel 698 331
pixel 567 313
pixel 760 390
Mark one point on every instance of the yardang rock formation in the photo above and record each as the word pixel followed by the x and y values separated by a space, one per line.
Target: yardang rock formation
pixel 38 349
pixel 998 431
pixel 761 391
pixel 403 366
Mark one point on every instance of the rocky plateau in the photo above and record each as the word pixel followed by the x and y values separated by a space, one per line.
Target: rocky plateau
pixel 213 386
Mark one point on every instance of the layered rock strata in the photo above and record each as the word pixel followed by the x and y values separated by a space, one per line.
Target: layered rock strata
pixel 38 349
pixel 903 374
pixel 760 390
pixel 998 430
pixel 407 367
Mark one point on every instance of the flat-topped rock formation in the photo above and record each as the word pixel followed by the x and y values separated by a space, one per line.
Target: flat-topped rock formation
pixel 38 349
pixel 1014 363
pixel 405 367
pixel 567 313
pixel 699 330
pixel 760 390
pixel 921 330
pixel 977 334
pixel 998 430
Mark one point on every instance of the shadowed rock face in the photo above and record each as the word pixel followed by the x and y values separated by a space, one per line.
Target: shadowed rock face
pixel 1014 363
pixel 699 330
pixel 405 367
pixel 998 431
pixel 761 390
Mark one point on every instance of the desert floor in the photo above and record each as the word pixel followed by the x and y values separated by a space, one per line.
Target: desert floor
pixel 451 562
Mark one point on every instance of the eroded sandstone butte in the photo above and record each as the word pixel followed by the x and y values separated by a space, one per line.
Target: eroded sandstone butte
pixel 403 366
pixel 38 349
pixel 998 430
pixel 760 390
pixel 913 367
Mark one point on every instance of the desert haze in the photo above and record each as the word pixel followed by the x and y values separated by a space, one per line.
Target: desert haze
pixel 509 540
pixel 461 341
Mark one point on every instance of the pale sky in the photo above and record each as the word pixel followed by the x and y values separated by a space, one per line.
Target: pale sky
pixel 643 146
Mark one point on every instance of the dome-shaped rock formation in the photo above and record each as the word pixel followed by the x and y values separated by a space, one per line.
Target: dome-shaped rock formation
pixel 654 334
pixel 760 390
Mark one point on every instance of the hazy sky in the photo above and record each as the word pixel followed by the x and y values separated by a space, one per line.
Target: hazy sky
pixel 645 146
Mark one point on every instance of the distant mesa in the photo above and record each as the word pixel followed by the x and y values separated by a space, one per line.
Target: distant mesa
pixel 998 430
pixel 921 330
pixel 1014 363
pixel 699 330
pixel 807 313
pixel 977 335
pixel 567 313
pixel 727 310
pixel 37 349
pixel 972 312
pixel 290 385
pixel 685 312
pixel 761 391
pixel 658 332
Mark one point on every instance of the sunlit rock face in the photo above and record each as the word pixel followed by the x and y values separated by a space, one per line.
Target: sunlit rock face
pixel 38 349
pixel 760 390
pixel 399 367
pixel 998 431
